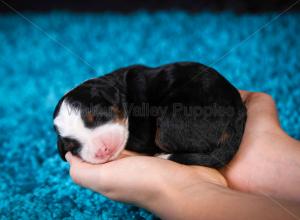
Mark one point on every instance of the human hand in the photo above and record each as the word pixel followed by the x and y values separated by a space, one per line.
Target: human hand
pixel 268 160
pixel 253 169
pixel 134 179
pixel 174 190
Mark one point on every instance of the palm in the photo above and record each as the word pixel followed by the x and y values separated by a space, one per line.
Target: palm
pixel 253 168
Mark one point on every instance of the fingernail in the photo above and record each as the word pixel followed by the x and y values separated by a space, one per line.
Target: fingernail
pixel 68 156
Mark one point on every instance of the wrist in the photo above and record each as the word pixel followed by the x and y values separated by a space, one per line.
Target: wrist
pixel 175 199
pixel 163 201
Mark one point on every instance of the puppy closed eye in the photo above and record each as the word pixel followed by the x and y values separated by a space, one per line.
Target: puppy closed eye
pixel 90 117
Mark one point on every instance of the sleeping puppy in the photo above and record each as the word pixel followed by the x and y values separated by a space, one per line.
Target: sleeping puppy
pixel 185 112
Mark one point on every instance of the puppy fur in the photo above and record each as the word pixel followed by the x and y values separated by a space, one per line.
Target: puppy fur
pixel 185 112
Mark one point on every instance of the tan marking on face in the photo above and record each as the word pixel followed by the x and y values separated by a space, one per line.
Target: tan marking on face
pixel 120 119
pixel 90 117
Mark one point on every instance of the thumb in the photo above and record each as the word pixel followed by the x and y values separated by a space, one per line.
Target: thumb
pixel 72 159
pixel 82 173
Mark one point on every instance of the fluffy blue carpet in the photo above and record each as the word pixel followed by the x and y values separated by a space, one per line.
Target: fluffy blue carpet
pixel 43 57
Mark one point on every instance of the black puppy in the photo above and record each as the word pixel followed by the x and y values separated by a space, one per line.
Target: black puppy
pixel 185 112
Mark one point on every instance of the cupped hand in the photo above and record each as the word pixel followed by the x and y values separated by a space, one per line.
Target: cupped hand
pixel 134 178
pixel 260 165
pixel 268 160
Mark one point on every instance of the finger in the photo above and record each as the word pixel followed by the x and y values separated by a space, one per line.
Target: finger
pixel 244 94
pixel 70 158
pixel 83 173
pixel 127 153
pixel 259 104
pixel 131 153
pixel 262 111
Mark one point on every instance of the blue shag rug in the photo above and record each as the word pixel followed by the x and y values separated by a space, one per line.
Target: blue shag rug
pixel 43 57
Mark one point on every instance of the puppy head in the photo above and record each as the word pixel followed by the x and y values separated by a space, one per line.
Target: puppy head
pixel 90 122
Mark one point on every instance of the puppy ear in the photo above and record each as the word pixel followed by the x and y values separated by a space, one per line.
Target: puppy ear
pixel 112 91
pixel 61 149
pixel 57 107
pixel 114 96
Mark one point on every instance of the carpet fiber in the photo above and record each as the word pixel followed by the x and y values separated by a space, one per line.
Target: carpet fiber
pixel 45 55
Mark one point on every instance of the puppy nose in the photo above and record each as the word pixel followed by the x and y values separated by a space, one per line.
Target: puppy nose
pixel 102 152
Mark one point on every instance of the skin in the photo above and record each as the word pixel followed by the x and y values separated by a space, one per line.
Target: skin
pixel 261 182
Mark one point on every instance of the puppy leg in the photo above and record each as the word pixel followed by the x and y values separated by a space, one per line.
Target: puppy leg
pixel 163 156
pixel 194 159
pixel 197 142
pixel 198 159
